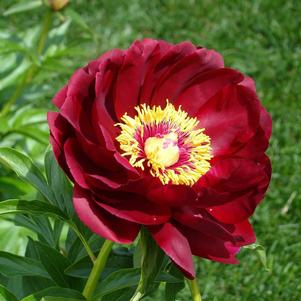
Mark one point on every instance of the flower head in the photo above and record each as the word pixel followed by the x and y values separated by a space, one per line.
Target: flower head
pixel 164 136
pixel 168 141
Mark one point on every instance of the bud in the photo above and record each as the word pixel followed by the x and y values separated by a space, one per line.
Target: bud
pixel 57 5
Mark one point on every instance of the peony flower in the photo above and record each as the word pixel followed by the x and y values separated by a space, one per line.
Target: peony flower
pixel 164 136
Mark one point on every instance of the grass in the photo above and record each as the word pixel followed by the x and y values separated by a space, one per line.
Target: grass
pixel 262 38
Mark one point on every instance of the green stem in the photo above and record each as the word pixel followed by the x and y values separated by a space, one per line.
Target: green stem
pixel 97 269
pixel 194 289
pixel 138 296
pixel 30 72
pixel 45 30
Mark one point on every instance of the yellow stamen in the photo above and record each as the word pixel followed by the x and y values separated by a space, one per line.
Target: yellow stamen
pixel 162 151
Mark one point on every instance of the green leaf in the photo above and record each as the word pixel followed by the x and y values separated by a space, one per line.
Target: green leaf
pixel 31 132
pixel 77 18
pixel 28 116
pixel 169 278
pixel 7 295
pixel 261 253
pixel 34 283
pixel 60 299
pixel 57 293
pixel 25 169
pixel 12 265
pixel 123 278
pixel 30 207
pixel 80 269
pixel 13 187
pixel 171 289
pixel 23 6
pixel 152 260
pixel 15 75
pixel 37 220
pixel 120 295
pixel 39 208
pixel 60 185
pixel 54 262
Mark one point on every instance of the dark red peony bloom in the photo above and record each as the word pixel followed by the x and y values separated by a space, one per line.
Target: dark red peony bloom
pixel 164 136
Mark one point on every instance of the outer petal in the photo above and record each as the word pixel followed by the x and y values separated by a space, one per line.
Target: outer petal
pixel 134 67
pixel 100 221
pixel 86 173
pixel 243 233
pixel 230 118
pixel 234 179
pixel 201 88
pixel 201 221
pixel 260 141
pixel 175 245
pixel 59 130
pixel 175 79
pixel 243 207
pixel 210 247
pixel 60 97
pixel 137 210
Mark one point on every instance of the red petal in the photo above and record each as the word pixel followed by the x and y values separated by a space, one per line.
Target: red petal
pixel 137 210
pixel 260 141
pixel 231 179
pixel 175 79
pixel 89 175
pixel 199 220
pixel 202 88
pixel 175 245
pixel 75 168
pixel 172 195
pixel 243 207
pixel 230 118
pixel 134 67
pixel 243 233
pixel 210 247
pixel 104 110
pixel 60 97
pixel 100 221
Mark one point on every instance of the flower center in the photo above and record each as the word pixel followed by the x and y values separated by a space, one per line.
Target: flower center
pixel 167 142
pixel 164 151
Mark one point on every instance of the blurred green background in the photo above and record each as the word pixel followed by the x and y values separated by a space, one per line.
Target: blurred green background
pixel 39 50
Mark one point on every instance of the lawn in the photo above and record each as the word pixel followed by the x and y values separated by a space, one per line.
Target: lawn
pixel 261 38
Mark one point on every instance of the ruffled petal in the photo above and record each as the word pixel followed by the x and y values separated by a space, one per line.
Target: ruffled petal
pixel 60 97
pixel 210 247
pixel 234 179
pixel 201 88
pixel 201 221
pixel 243 207
pixel 87 174
pixel 138 210
pixel 260 141
pixel 177 77
pixel 131 76
pixel 230 119
pixel 100 221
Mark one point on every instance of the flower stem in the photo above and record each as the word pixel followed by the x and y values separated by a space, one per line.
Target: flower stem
pixel 137 297
pixel 194 289
pixel 97 269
